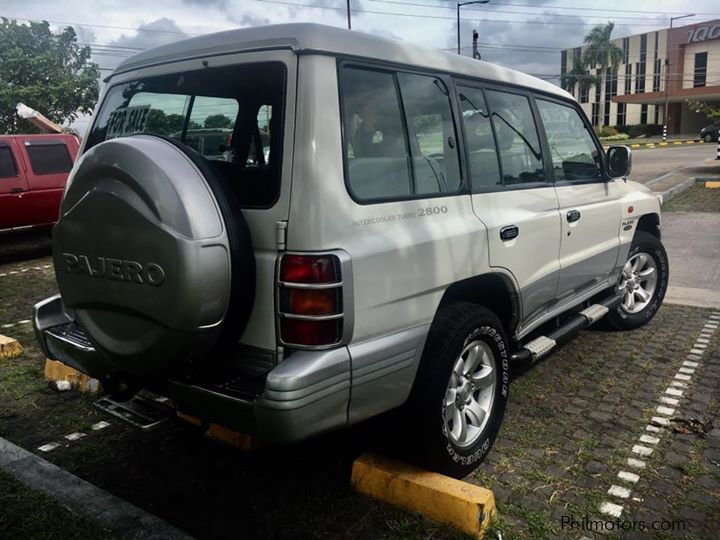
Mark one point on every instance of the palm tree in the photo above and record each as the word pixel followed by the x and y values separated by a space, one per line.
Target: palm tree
pixel 578 76
pixel 600 52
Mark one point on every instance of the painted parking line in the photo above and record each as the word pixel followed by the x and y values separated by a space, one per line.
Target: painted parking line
pixel 23 270
pixel 656 427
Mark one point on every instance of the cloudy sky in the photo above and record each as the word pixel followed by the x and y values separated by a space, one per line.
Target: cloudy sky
pixel 522 34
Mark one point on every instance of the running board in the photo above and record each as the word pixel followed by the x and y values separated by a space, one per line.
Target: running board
pixel 540 346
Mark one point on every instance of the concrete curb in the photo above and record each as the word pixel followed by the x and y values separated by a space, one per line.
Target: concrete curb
pixel 659 144
pixel 668 194
pixel 120 518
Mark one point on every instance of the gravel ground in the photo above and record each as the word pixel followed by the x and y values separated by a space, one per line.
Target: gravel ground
pixel 571 423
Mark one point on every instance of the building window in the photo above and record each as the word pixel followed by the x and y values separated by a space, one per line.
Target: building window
pixel 626 50
pixel 640 77
pixel 563 62
pixel 700 69
pixel 643 113
pixel 621 108
pixel 585 91
pixel 595 114
pixel 577 54
pixel 656 76
pixel 628 78
pixel 657 114
pixel 611 77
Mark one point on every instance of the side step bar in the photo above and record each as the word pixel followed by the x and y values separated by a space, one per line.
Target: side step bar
pixel 542 345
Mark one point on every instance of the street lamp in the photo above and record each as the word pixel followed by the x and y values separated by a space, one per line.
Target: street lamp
pixel 667 67
pixel 459 5
pixel 348 15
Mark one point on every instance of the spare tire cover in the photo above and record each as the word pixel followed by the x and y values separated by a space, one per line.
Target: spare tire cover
pixel 143 254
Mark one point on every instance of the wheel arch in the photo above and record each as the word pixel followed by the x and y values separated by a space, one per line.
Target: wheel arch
pixel 649 223
pixel 494 290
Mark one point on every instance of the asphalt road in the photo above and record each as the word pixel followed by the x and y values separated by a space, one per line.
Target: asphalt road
pixel 660 168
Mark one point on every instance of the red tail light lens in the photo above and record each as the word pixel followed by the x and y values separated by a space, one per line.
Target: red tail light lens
pixel 310 269
pixel 310 307
pixel 311 333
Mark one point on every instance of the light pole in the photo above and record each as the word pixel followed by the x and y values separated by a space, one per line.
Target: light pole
pixel 459 5
pixel 348 15
pixel 667 67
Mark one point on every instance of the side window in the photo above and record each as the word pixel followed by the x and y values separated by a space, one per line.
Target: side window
pixel 375 144
pixel 479 139
pixel 572 149
pixel 49 158
pixel 431 133
pixel 517 138
pixel 8 169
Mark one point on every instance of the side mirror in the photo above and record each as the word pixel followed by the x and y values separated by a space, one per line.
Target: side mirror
pixel 619 161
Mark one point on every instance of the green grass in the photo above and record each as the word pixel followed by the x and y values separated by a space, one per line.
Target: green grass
pixel 27 513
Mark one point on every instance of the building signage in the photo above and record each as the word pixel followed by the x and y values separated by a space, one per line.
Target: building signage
pixel 703 33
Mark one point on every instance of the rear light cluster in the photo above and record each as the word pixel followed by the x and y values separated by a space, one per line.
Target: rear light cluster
pixel 310 300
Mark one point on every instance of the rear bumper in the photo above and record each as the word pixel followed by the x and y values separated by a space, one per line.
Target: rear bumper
pixel 306 394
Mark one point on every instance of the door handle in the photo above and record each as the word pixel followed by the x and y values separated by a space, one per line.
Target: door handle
pixel 509 232
pixel 573 216
pixel 16 190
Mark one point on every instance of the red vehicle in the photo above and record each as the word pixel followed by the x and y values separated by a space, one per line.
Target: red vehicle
pixel 33 173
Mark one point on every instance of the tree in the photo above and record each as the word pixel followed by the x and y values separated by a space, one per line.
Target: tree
pixel 712 113
pixel 49 72
pixel 600 52
pixel 578 76
pixel 218 121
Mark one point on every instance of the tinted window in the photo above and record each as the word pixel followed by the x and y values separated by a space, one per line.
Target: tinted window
pixel 7 163
pixel 479 139
pixel 572 149
pixel 517 138
pixel 49 158
pixel 375 144
pixel 431 133
pixel 232 116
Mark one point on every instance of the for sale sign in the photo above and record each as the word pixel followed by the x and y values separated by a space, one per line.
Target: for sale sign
pixel 126 121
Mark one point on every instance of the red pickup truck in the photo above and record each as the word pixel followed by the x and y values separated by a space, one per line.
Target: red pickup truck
pixel 33 173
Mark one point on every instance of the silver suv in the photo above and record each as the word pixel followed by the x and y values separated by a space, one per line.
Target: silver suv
pixel 383 227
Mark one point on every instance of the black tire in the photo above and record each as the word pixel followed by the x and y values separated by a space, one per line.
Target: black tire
pixel 455 327
pixel 619 318
pixel 708 137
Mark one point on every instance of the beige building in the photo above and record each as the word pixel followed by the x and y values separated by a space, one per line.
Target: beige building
pixel 683 63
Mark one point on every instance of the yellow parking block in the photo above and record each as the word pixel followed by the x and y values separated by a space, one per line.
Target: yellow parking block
pixel 677 142
pixel 663 144
pixel 9 347
pixel 634 146
pixel 713 184
pixel 60 374
pixel 466 507
pixel 243 441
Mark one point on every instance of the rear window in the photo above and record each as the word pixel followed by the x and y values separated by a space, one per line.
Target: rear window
pixel 8 169
pixel 231 116
pixel 49 158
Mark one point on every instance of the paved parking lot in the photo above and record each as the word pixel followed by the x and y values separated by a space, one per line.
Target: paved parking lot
pixel 574 421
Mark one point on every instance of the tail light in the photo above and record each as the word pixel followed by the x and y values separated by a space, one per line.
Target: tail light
pixel 310 300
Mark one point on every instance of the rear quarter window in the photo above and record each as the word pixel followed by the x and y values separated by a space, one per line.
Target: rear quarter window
pixel 49 158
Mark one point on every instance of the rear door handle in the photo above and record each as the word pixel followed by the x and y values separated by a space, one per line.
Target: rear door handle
pixel 509 232
pixel 573 215
pixel 16 190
